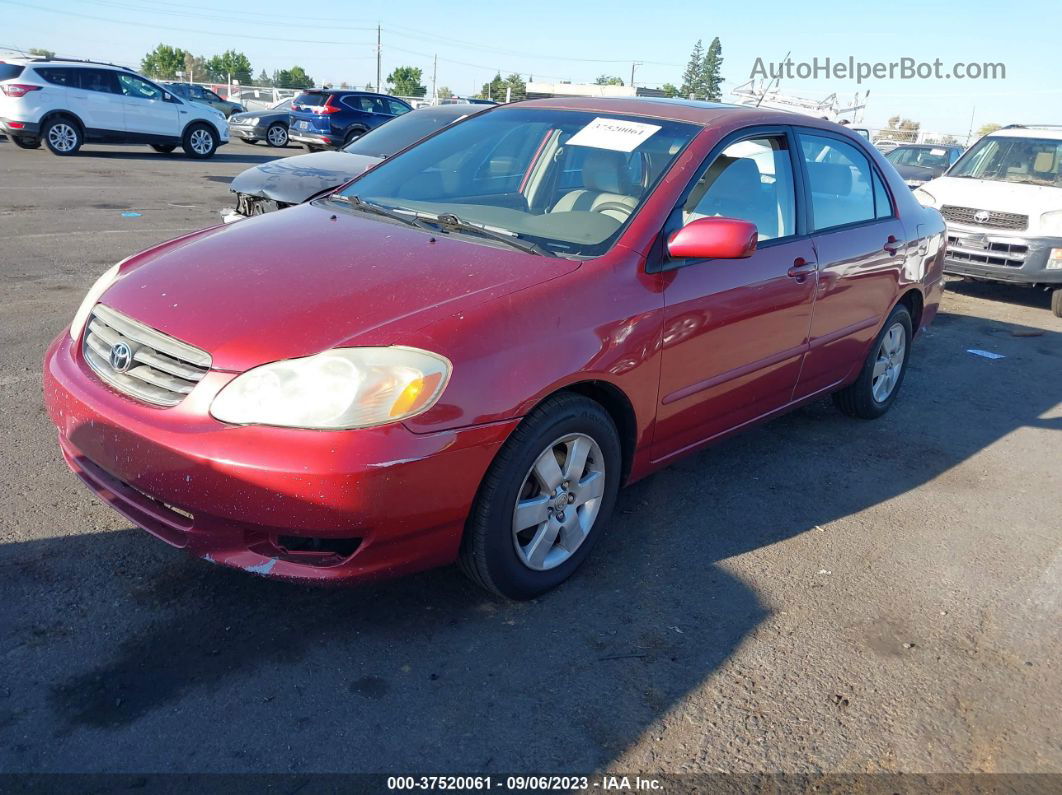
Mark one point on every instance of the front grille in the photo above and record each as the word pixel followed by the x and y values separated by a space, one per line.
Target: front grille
pixel 161 371
pixel 253 205
pixel 1010 255
pixel 995 220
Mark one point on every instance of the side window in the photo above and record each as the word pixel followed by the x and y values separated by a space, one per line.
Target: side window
pixel 60 77
pixel 133 86
pixel 210 96
pixel 882 205
pixel 840 181
pixel 360 104
pixel 100 80
pixel 397 108
pixel 751 180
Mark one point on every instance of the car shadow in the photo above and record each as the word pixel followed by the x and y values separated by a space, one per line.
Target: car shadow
pixel 148 654
pixel 997 291
pixel 220 157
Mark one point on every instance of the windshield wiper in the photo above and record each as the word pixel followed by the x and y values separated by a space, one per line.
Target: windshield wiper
pixel 449 221
pixel 357 203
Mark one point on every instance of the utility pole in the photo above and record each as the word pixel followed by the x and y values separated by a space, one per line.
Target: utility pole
pixel 634 64
pixel 434 74
pixel 378 90
pixel 969 135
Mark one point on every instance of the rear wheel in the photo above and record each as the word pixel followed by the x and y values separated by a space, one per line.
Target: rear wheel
pixel 277 135
pixel 164 149
pixel 62 136
pixel 879 381
pixel 352 136
pixel 23 142
pixel 1056 301
pixel 312 147
pixel 200 141
pixel 545 499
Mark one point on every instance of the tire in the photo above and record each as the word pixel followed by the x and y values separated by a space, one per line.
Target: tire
pixel 250 141
pixel 352 136
pixel 505 559
pixel 200 141
pixel 312 148
pixel 23 142
pixel 62 136
pixel 1056 301
pixel 163 149
pixel 868 398
pixel 277 135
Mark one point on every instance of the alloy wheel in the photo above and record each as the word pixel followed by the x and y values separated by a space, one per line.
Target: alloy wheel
pixel 201 141
pixel 62 137
pixel 277 136
pixel 558 501
pixel 888 363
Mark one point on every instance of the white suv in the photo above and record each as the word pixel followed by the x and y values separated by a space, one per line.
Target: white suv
pixel 64 103
pixel 1002 201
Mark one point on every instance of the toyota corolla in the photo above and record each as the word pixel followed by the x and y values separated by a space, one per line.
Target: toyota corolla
pixel 464 353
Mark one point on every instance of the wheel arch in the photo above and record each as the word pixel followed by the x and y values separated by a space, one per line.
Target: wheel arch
pixel 200 120
pixel 62 113
pixel 915 303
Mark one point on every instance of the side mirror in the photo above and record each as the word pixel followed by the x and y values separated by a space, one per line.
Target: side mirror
pixel 713 238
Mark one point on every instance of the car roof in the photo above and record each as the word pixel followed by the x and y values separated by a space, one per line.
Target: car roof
pixel 65 62
pixel 1052 132
pixel 675 109
pixel 454 110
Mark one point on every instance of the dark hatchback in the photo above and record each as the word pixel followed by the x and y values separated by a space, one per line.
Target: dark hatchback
pixel 286 181
pixel 919 163
pixel 331 118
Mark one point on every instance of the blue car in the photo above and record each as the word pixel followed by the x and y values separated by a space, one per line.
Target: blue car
pixel 332 118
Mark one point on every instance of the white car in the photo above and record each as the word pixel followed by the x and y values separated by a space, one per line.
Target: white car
pixel 1002 202
pixel 65 103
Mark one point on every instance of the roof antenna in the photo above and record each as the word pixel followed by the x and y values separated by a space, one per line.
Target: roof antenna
pixel 776 79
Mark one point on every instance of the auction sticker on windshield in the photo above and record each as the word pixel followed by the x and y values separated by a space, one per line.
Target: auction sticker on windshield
pixel 615 134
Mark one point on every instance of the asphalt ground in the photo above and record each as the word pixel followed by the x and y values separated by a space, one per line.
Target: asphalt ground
pixel 819 594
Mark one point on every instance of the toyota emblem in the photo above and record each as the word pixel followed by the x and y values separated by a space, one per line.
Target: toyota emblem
pixel 982 216
pixel 121 357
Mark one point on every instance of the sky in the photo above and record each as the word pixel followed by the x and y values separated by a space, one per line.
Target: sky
pixel 579 40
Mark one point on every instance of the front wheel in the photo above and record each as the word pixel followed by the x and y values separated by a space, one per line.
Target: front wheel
pixel 200 141
pixel 62 136
pixel 879 381
pixel 26 143
pixel 277 135
pixel 163 149
pixel 1056 301
pixel 545 500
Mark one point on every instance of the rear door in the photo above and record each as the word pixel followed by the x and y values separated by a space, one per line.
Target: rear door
pixel 93 95
pixel 861 245
pixel 146 112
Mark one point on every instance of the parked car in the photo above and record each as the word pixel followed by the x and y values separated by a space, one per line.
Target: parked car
pixel 919 163
pixel 466 351
pixel 1003 205
pixel 886 145
pixel 65 104
pixel 204 96
pixel 291 180
pixel 332 118
pixel 270 125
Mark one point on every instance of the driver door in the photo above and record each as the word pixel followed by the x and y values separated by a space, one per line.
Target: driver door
pixel 736 331
pixel 146 112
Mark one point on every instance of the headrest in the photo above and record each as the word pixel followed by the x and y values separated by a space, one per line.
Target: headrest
pixel 605 171
pixel 831 178
pixel 1045 161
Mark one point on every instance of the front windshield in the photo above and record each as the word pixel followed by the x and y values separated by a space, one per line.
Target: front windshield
pixel 929 157
pixel 1031 161
pixel 400 132
pixel 565 180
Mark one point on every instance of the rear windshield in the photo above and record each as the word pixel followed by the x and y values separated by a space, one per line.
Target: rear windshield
pixel 396 135
pixel 9 71
pixel 311 99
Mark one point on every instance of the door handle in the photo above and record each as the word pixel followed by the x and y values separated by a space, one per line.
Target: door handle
pixel 892 245
pixel 801 269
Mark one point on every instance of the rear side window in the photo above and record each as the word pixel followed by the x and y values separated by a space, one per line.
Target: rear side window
pixel 60 76
pixel 9 71
pixel 882 205
pixel 99 80
pixel 840 180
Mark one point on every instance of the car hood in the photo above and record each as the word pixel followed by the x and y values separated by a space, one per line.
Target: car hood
pixel 304 280
pixel 253 116
pixel 295 179
pixel 985 194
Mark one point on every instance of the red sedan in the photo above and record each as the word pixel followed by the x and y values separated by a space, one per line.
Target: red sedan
pixel 465 352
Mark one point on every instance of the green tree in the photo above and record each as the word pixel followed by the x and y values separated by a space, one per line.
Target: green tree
pixel 518 88
pixel 264 79
pixel 670 90
pixel 195 67
pixel 711 81
pixel 903 129
pixel 990 127
pixel 163 63
pixel 295 77
pixel 444 92
pixel 497 89
pixel 230 64
pixel 609 80
pixel 405 82
pixel 40 52
pixel 691 78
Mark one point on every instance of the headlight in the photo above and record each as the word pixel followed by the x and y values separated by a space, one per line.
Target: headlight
pixel 925 197
pixel 341 388
pixel 90 299
pixel 1051 223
